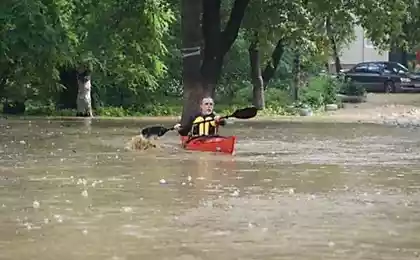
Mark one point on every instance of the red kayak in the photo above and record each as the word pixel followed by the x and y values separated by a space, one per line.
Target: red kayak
pixel 221 144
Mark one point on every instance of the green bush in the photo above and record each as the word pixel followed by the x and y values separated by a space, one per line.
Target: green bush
pixel 277 98
pixel 112 111
pixel 148 110
pixel 242 95
pixel 37 108
pixel 281 84
pixel 321 90
pixel 48 111
pixel 164 109
pixel 351 88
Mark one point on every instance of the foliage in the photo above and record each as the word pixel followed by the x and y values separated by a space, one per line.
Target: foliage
pixel 383 21
pixel 351 88
pixel 320 91
pixel 39 38
pixel 133 50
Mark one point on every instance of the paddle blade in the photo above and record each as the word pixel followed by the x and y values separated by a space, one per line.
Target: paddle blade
pixel 154 130
pixel 245 113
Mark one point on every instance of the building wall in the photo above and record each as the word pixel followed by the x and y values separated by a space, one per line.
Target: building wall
pixel 360 50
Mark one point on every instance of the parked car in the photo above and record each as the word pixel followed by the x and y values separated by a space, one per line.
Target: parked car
pixel 382 76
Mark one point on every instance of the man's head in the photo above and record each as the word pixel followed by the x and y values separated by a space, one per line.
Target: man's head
pixel 207 105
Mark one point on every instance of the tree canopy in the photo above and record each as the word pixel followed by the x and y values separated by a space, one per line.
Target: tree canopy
pixel 134 49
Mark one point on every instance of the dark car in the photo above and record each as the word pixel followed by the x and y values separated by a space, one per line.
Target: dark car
pixel 382 76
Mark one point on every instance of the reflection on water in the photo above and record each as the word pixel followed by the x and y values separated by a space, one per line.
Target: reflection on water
pixel 69 190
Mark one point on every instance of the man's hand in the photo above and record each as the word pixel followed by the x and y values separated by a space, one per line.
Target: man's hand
pixel 217 119
pixel 177 127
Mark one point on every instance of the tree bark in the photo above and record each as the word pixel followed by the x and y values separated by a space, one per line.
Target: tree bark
pixel 202 73
pixel 273 63
pixel 217 42
pixel 331 37
pixel 191 44
pixel 212 58
pixel 256 77
pixel 84 99
pixel 67 98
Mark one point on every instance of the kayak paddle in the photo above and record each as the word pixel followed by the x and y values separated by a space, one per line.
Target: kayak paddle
pixel 244 113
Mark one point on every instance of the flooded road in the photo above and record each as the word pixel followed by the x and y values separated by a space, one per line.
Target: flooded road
pixel 292 191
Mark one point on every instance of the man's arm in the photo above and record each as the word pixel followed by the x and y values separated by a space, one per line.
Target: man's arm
pixel 184 130
pixel 221 121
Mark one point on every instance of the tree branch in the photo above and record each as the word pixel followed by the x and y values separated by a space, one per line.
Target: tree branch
pixel 331 38
pixel 254 57
pixel 233 25
pixel 211 26
pixel 271 66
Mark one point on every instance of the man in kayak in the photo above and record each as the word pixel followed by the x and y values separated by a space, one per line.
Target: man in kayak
pixel 205 123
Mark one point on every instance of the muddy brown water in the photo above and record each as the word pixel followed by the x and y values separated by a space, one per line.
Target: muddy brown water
pixel 69 190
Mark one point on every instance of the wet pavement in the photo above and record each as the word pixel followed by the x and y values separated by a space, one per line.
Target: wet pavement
pixel 69 190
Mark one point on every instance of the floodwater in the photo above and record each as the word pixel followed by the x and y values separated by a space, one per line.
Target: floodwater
pixel 69 190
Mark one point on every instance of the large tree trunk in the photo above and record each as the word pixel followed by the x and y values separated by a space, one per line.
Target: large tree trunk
pixel 200 79
pixel 333 42
pixel 191 44
pixel 84 100
pixel 67 98
pixel 213 56
pixel 211 71
pixel 273 63
pixel 256 77
pixel 296 76
pixel 217 42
